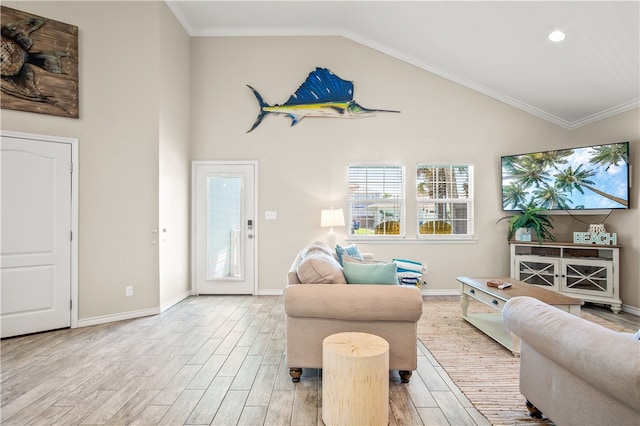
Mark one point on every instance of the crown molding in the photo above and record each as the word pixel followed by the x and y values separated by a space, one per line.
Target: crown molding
pixel 609 112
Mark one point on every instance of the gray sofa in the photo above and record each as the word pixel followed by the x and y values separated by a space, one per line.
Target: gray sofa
pixel 572 370
pixel 323 304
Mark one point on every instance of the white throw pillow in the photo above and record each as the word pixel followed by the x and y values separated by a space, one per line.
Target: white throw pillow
pixel 320 268
pixel 316 246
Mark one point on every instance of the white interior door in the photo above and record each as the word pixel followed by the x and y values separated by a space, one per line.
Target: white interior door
pixel 224 210
pixel 36 236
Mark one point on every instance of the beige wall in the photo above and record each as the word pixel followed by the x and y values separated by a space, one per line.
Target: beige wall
pixel 303 168
pixel 137 120
pixel 121 103
pixel 174 158
pixel 626 223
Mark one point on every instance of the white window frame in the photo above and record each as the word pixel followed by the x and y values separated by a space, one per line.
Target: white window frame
pixel 469 201
pixel 365 200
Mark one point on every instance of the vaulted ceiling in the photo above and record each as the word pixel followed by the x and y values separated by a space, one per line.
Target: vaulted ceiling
pixel 498 48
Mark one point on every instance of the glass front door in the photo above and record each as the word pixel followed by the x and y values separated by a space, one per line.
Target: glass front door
pixel 224 231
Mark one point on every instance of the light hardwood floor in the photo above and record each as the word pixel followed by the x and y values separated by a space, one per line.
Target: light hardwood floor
pixel 207 360
pixel 625 319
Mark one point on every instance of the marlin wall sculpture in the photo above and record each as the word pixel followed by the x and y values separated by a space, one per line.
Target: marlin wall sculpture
pixel 323 94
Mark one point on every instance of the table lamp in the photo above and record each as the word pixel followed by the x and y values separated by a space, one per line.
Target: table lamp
pixel 328 219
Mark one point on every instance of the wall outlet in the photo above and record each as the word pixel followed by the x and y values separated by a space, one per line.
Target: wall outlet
pixel 128 290
pixel 271 215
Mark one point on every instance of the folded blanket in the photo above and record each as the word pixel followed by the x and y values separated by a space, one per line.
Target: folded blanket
pixel 409 281
pixel 405 265
pixel 409 271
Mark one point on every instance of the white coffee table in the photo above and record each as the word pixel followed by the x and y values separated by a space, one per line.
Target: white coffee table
pixel 491 323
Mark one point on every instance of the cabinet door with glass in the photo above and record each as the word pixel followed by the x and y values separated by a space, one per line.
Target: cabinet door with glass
pixel 587 277
pixel 538 271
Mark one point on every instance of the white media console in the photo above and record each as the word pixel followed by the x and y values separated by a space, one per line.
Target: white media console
pixel 584 271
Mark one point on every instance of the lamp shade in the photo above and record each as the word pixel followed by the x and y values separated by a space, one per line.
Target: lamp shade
pixel 331 218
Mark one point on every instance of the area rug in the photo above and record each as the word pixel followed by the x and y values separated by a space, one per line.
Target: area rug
pixel 485 371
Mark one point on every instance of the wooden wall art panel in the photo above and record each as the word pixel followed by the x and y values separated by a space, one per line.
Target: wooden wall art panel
pixel 39 64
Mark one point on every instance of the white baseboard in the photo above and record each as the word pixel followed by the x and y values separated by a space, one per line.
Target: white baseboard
pixel 278 292
pixel 133 314
pixel 118 317
pixel 179 298
pixel 270 292
pixel 264 292
pixel 631 310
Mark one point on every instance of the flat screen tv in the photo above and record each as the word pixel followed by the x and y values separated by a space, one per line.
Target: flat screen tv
pixel 586 178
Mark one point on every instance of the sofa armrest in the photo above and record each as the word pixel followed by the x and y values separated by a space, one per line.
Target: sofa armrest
pixel 357 302
pixel 606 359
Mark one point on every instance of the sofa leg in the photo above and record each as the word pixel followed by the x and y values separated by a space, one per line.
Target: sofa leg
pixel 533 411
pixel 405 375
pixel 295 374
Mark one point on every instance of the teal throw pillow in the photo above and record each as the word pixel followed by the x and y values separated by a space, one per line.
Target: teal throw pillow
pixel 351 251
pixel 370 273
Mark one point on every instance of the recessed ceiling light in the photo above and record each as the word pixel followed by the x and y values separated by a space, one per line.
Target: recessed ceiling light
pixel 557 36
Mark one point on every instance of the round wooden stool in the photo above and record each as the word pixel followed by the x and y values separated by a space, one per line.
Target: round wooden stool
pixel 355 379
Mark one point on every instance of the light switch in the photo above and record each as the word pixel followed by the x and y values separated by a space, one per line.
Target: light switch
pixel 270 215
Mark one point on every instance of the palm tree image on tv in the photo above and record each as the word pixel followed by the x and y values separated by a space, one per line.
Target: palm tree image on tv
pixel 593 177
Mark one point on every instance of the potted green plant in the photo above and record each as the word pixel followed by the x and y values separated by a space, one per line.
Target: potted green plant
pixel 530 217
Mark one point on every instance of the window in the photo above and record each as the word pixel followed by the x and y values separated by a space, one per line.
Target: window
pixel 444 201
pixel 376 200
pixel 441 210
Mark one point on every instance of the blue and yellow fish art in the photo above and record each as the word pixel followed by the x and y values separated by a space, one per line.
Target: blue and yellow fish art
pixel 323 94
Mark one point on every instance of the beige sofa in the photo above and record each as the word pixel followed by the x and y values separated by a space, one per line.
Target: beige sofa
pixel 572 370
pixel 315 310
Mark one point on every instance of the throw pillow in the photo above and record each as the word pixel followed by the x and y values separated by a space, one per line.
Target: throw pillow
pixel 370 273
pixel 351 251
pixel 320 268
pixel 316 246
